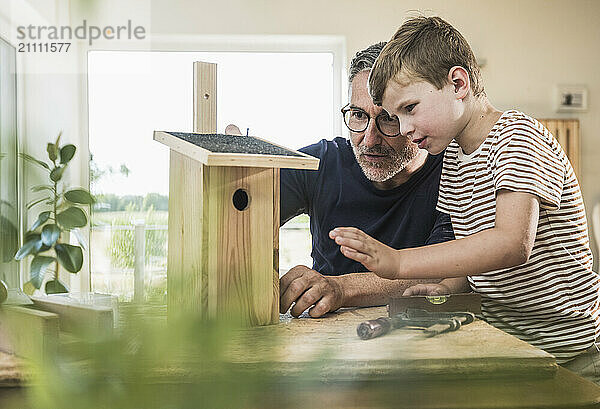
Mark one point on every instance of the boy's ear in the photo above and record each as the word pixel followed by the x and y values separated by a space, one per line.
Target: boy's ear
pixel 459 78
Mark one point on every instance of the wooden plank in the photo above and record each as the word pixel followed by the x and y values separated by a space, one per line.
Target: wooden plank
pixel 186 273
pixel 205 97
pixel 329 349
pixel 205 121
pixel 93 320
pixel 276 226
pixel 175 251
pixel 183 147
pixel 240 245
pixel 303 161
pixel 28 332
pixel 187 270
pixel 264 161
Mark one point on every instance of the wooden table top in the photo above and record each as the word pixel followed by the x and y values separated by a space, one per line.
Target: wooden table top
pixel 322 363
pixel 475 350
pixel 330 347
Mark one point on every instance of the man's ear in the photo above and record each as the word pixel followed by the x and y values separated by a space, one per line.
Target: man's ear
pixel 459 78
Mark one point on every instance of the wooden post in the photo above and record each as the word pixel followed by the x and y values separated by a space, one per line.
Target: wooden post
pixel 139 242
pixel 205 97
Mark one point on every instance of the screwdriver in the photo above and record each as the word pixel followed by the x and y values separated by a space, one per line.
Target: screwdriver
pixel 434 323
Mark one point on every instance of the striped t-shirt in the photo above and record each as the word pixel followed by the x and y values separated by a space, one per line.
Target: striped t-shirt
pixel 552 301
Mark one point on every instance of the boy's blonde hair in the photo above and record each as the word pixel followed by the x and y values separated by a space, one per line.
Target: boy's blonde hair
pixel 424 48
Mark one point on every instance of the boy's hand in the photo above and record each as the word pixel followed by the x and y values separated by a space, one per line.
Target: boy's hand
pixel 427 289
pixel 374 255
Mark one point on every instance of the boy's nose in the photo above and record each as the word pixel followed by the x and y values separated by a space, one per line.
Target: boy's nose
pixel 407 129
pixel 372 135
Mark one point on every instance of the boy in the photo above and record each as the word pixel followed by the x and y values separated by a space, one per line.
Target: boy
pixel 513 198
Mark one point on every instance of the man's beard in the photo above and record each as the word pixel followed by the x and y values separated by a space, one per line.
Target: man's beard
pixel 395 161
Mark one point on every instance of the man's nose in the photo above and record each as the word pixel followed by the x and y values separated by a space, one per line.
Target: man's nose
pixel 372 135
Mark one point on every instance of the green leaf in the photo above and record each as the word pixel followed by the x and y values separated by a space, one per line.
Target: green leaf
pixel 70 257
pixel 55 287
pixel 39 265
pixel 50 234
pixel 31 235
pixel 42 218
pixel 39 188
pixel 81 196
pixel 29 288
pixel 31 246
pixel 56 173
pixel 58 138
pixel 66 153
pixel 72 217
pixel 35 161
pixel 34 202
pixel 52 150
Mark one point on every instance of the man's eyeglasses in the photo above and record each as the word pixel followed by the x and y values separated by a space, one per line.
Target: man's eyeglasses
pixel 357 120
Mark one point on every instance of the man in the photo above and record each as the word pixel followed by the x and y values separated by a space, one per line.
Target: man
pixel 379 182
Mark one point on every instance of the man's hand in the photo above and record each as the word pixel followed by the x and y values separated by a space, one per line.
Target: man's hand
pixel 308 288
pixel 361 247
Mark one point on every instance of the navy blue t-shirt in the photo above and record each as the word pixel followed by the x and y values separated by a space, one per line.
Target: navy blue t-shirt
pixel 340 195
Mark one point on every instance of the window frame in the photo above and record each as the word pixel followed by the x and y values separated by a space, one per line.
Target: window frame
pixel 17 148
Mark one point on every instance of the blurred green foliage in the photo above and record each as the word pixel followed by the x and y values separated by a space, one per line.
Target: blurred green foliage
pixel 149 364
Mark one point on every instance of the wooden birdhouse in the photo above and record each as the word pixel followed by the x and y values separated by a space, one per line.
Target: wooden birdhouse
pixel 223 256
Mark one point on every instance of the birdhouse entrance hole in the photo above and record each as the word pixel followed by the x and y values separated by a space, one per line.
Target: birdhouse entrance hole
pixel 240 199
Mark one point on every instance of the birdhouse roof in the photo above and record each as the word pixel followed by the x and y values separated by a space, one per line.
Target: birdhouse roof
pixel 234 150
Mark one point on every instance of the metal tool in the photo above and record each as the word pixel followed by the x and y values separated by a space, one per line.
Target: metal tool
pixel 434 323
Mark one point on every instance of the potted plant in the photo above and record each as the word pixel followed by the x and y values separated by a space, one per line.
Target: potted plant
pixel 63 212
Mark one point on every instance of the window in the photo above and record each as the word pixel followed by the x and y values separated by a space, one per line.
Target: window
pixel 9 232
pixel 287 98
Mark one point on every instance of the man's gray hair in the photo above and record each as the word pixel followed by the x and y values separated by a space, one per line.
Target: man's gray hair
pixel 364 60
